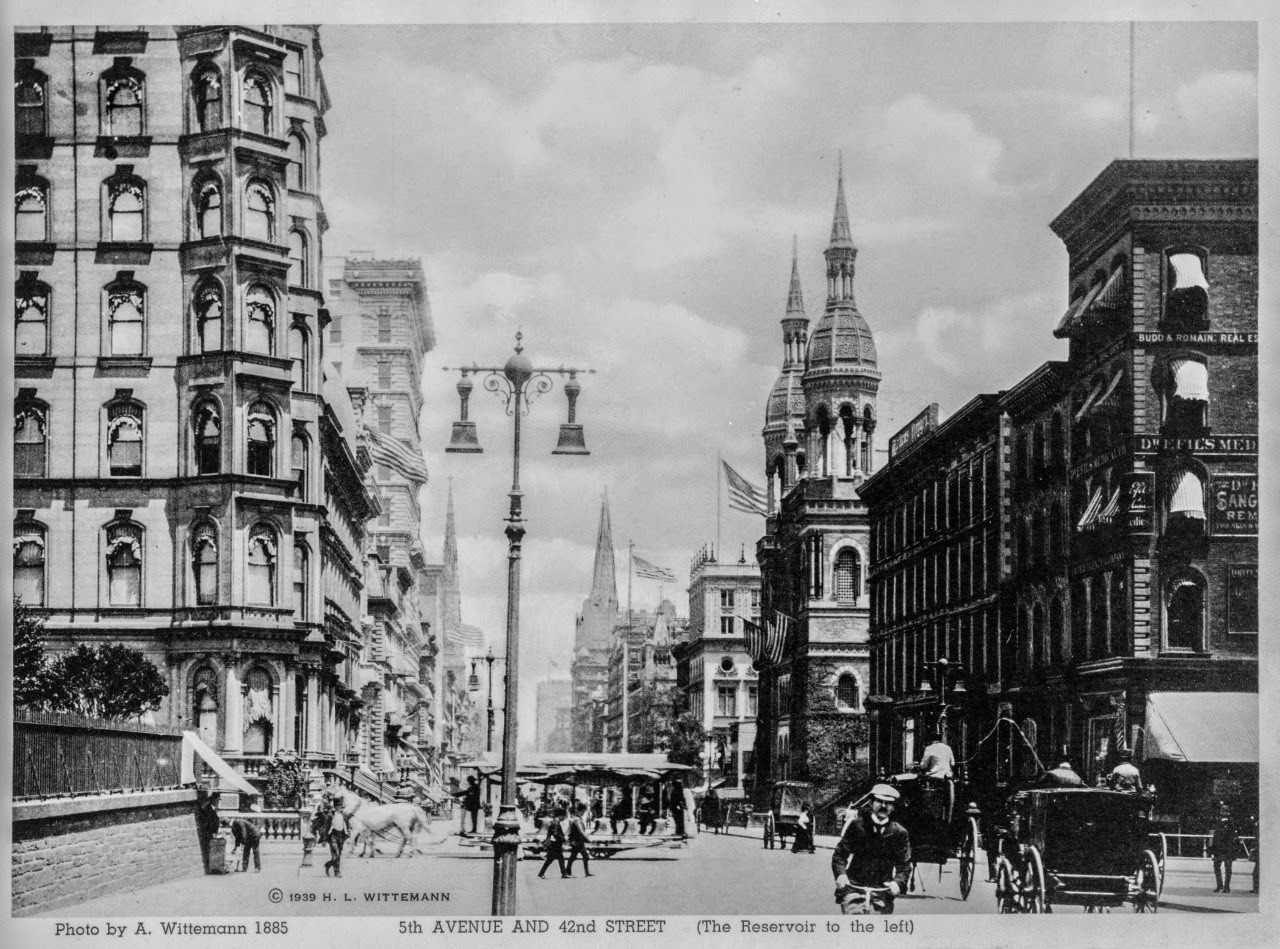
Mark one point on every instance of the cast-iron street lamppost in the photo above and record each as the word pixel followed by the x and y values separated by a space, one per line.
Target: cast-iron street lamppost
pixel 517 383
pixel 945 672
pixel 473 685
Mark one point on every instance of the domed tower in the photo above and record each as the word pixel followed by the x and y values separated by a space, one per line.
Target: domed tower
pixel 841 375
pixel 784 410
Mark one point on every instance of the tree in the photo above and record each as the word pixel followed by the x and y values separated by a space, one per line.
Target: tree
pixel 829 741
pixel 29 672
pixel 107 681
pixel 688 738
pixel 287 782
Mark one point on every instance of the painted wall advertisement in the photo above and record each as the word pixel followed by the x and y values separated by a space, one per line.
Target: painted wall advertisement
pixel 1233 502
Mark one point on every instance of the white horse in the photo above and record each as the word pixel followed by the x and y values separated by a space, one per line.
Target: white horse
pixel 369 820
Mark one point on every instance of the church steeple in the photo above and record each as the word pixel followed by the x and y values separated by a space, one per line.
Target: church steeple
pixel 840 252
pixel 450 588
pixel 795 324
pixel 601 606
pixel 840 234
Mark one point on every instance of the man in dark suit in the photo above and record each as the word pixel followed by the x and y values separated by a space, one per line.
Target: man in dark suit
pixel 874 851
pixel 553 843
pixel 246 835
pixel 578 840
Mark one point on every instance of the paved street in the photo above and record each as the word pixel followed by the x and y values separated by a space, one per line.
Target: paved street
pixel 725 874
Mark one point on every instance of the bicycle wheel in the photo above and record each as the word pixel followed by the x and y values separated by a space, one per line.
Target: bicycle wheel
pixel 968 858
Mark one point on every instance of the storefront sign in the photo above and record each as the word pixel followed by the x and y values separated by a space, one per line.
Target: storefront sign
pixel 1138 488
pixel 1234 504
pixel 1200 339
pixel 913 431
pixel 1203 445
pixel 1242 598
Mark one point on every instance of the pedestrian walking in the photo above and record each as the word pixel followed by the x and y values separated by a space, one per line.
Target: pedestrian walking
pixel 337 837
pixel 470 804
pixel 553 842
pixel 247 837
pixel 579 838
pixel 711 810
pixel 1222 848
pixel 677 807
pixel 803 842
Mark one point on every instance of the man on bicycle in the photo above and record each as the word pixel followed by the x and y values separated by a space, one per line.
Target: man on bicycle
pixel 874 851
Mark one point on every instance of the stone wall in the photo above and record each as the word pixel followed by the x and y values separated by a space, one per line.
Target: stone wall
pixel 71 850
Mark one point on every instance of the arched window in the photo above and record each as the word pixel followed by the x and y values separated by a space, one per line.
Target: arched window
pixel 122 103
pixel 259 218
pixel 209 317
pixel 31 318
pixel 259 712
pixel 1098 630
pixel 848 576
pixel 299 274
pixel 30 440
pixel 1057 441
pixel 204 563
pixel 1186 299
pixel 28 102
pixel 1038 636
pixel 1038 467
pixel 126 207
pixel 1186 396
pixel 298 457
pixel 124 565
pixel 1184 612
pixel 847 692
pixel 298 353
pixel 31 210
pixel 1119 615
pixel 297 170
pixel 208 209
pixel 257 103
pixel 260 320
pixel 1079 621
pixel 301 604
pixel 262 440
pixel 206 88
pixel 126 318
pixel 204 705
pixel 124 439
pixel 28 563
pixel 261 575
pixel 208 439
pixel 1057 530
pixel 1056 632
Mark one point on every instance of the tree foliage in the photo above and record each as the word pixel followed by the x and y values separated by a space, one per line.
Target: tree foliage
pixel 287 782
pixel 688 738
pixel 829 765
pixel 106 681
pixel 29 671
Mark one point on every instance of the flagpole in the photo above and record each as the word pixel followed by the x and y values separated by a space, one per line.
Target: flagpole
pixel 1132 26
pixel 626 653
pixel 719 477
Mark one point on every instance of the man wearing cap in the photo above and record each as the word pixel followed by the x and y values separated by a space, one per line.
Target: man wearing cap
pixel 873 850
pixel 1125 776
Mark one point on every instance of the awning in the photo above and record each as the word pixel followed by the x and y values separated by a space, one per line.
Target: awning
pixel 1188 496
pixel 1202 727
pixel 1190 380
pixel 1112 291
pixel 192 746
pixel 1091 511
pixel 1188 272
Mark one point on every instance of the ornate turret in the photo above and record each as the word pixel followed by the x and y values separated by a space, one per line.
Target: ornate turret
pixel 784 409
pixel 841 375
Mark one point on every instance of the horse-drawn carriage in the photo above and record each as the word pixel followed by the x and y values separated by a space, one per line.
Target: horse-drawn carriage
pixel 1086 847
pixel 789 798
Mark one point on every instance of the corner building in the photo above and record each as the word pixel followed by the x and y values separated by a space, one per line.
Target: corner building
pixel 171 429
pixel 1126 507
pixel 820 418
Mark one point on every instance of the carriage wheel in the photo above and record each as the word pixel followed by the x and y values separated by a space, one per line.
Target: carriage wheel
pixel 1006 895
pixel 1147 897
pixel 1164 852
pixel 1037 900
pixel 968 858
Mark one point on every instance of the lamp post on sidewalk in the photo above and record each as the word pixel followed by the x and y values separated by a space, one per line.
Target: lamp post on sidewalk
pixel 474 685
pixel 517 383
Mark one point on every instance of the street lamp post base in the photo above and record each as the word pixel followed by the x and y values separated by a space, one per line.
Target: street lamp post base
pixel 506 844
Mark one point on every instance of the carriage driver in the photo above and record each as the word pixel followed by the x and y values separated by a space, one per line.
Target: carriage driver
pixel 874 851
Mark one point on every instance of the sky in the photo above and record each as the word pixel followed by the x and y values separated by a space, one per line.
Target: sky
pixel 626 195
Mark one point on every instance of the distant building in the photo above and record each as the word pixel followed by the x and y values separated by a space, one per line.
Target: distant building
pixel 378 332
pixel 718 681
pixel 593 642
pixel 554 715
pixel 1084 545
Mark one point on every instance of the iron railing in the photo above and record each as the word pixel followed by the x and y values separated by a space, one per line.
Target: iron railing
pixel 62 755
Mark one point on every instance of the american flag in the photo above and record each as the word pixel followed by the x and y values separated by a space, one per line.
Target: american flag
pixel 649 571
pixel 768 642
pixel 467 635
pixel 756 639
pixel 390 451
pixel 743 495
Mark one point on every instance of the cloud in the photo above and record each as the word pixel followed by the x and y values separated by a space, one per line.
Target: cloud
pixel 1211 115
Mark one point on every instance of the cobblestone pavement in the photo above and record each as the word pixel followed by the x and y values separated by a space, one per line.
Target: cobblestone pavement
pixel 715 874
